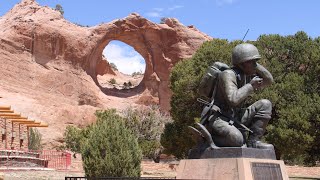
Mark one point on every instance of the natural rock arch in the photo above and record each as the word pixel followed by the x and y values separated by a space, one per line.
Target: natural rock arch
pixel 95 57
pixel 128 75
pixel 50 38
pixel 161 45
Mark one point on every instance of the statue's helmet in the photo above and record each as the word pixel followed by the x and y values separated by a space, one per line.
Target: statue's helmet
pixel 244 52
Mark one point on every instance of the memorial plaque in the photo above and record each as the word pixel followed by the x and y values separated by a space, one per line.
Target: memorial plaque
pixel 266 171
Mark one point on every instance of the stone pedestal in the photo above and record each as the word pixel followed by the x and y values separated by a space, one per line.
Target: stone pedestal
pixel 217 166
pixel 232 152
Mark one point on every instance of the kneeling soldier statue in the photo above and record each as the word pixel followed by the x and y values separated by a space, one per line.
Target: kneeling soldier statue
pixel 224 121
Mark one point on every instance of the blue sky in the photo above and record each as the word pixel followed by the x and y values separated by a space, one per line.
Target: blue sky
pixel 227 19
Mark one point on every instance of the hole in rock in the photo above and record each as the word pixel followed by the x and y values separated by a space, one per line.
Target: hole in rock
pixel 128 66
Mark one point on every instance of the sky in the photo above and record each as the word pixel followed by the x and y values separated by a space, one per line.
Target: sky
pixel 226 19
pixel 124 57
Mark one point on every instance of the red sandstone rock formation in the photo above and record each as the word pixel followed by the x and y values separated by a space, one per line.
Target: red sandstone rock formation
pixel 103 67
pixel 49 66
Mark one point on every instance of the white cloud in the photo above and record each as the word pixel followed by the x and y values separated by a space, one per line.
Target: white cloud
pixel 161 12
pixel 175 7
pixel 158 9
pixel 153 14
pixel 125 58
pixel 222 2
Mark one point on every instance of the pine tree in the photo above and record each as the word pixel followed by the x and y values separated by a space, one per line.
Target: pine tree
pixel 111 149
pixel 60 9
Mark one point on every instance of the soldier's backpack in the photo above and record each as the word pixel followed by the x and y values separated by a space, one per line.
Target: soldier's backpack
pixel 209 80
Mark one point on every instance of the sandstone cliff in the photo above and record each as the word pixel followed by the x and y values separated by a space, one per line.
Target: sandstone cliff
pixel 49 66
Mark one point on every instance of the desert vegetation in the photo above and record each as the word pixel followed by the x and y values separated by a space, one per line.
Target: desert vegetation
pixel 147 124
pixel 138 73
pixel 60 9
pixel 112 81
pixel 107 144
pixel 110 149
pixel 114 66
pixel 34 139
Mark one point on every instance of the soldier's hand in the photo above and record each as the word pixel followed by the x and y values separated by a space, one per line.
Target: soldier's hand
pixel 256 82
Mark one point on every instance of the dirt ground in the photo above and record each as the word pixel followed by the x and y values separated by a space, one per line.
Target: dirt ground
pixel 149 169
pixel 298 171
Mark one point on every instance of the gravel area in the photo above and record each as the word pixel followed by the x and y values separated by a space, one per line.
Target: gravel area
pixel 40 175
pixel 298 171
pixel 150 169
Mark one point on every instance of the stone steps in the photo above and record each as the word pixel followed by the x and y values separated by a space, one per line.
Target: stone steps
pixel 14 159
pixel 19 153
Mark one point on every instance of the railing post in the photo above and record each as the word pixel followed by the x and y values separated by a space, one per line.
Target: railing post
pixel 68 160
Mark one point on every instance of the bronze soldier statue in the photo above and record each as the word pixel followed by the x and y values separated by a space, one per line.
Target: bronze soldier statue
pixel 228 120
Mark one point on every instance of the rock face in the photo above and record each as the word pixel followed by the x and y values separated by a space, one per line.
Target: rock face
pixel 49 66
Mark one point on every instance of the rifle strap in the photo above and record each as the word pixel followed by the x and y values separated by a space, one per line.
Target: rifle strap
pixel 214 90
pixel 208 113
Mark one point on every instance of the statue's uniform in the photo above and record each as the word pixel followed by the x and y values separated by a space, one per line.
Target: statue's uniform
pixel 233 89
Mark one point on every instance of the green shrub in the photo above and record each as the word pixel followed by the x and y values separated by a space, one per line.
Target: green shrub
pixel 34 139
pixel 111 149
pixel 127 85
pixel 74 137
pixel 112 81
pixel 147 124
pixel 294 62
pixel 60 9
pixel 136 73
pixel 114 66
pixel 163 20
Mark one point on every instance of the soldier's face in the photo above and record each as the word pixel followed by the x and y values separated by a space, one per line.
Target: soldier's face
pixel 249 67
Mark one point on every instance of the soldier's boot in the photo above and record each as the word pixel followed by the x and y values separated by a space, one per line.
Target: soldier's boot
pixel 258 128
pixel 244 135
